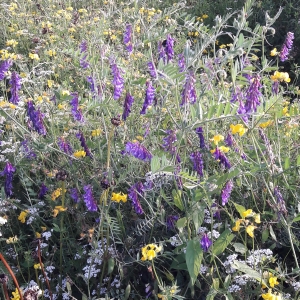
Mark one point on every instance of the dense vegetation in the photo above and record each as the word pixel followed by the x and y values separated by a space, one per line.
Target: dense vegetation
pixel 149 150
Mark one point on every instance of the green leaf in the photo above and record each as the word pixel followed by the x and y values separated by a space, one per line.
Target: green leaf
pixel 239 208
pixel 249 271
pixel 111 265
pixel 296 219
pixel 193 257
pixel 298 160
pixel 198 215
pixel 272 233
pixel 127 292
pixel 179 262
pixel 155 164
pixel 211 294
pixel 239 247
pixel 222 242
pixel 224 178
pixel 227 281
pixel 287 163
pixel 181 223
pixel 265 235
pixel 216 283
pixel 220 109
pixel 227 109
pixel 177 199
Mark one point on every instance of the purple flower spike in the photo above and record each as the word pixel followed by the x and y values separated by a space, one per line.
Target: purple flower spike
pixel 229 140
pixel 29 154
pixel 152 70
pixel 188 93
pixel 199 132
pixel 171 222
pixel 4 68
pixel 221 157
pixel 168 142
pixel 149 97
pixel 181 62
pixel 89 199
pixel 169 48
pixel 205 243
pixel 65 146
pixel 196 158
pixel 275 87
pixel 287 46
pixel 127 38
pixel 138 151
pixel 83 144
pixel 76 111
pixel 133 194
pixel 280 201
pixel 43 191
pixel 8 171
pixel 15 83
pixel 226 191
pixel 83 46
pixel 84 64
pixel 252 95
pixel 74 194
pixel 118 81
pixel 36 118
pixel 127 106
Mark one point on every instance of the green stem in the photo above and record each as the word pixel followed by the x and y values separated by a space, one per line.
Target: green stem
pixel 61 231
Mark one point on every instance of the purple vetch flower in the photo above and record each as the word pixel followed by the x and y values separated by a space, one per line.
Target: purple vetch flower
pixel 237 95
pixel 181 62
pixel 171 222
pixel 287 46
pixel 188 93
pixel 83 50
pixel 149 97
pixel 8 171
pixel 127 38
pixel 89 199
pixel 199 132
pixel 83 144
pixel 36 118
pixel 152 69
pixel 242 111
pixel 205 242
pixel 197 160
pixel 138 151
pixel 83 46
pixel 221 157
pixel 65 146
pixel 280 201
pixel 226 191
pixel 229 140
pixel 252 95
pixel 43 191
pixel 127 106
pixel 275 87
pixel 29 154
pixel 169 48
pixel 76 111
pixel 133 193
pixel 74 194
pixel 15 83
pixel 168 143
pixel 162 51
pixel 5 67
pixel 118 80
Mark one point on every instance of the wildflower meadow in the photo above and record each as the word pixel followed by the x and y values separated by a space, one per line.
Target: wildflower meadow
pixel 149 150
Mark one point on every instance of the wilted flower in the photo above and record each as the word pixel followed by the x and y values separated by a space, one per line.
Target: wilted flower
pixel 196 158
pixel 76 111
pixel 36 118
pixel 4 67
pixel 188 94
pixel 127 106
pixel 138 151
pixel 8 171
pixel 149 97
pixel 89 199
pixel 118 80
pixel 205 242
pixel 287 46
pixel 133 195
pixel 15 83
pixel 127 38
pixel 226 191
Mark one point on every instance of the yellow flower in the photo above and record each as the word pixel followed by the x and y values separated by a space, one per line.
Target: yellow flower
pixel 43 228
pixel 250 229
pixel 50 83
pixel 237 225
pixel 246 213
pixel 12 240
pixel 273 281
pixel 55 194
pixel 149 251
pixel 217 138
pixel 37 266
pixel 51 52
pixel 58 209
pixel 22 216
pixel 222 46
pixel 82 10
pixel 265 124
pixel 238 128
pixel 205 16
pixel 270 296
pixel 79 154
pixel 12 43
pixel 38 235
pixel 96 132
pixel 281 76
pixel 274 52
pixel 285 111
pixel 65 93
pixel 34 56
pixel 16 295
pixel 119 197
pixel 224 149
pixel 257 218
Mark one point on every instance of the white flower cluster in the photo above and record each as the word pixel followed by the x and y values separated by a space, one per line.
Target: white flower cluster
pixel 259 257
pixel 176 240
pixel 227 264
pixel 296 286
